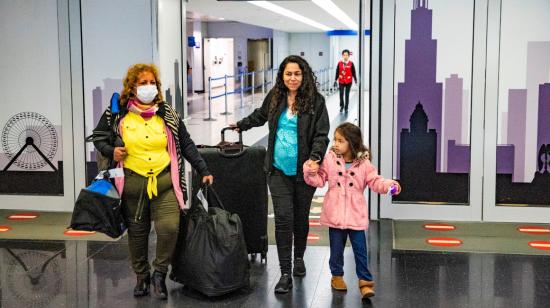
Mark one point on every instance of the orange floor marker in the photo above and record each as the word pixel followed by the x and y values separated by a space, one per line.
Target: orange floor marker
pixel 534 230
pixel 439 227
pixel 542 245
pixel 70 232
pixel 23 216
pixel 444 241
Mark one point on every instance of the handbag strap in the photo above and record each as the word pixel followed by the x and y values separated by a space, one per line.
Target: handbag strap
pixel 206 188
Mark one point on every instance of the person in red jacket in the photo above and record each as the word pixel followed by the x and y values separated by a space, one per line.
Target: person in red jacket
pixel 345 71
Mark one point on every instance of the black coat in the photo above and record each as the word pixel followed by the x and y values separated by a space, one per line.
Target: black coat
pixel 313 128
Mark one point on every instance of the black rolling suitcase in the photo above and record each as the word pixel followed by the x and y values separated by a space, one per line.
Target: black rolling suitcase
pixel 241 183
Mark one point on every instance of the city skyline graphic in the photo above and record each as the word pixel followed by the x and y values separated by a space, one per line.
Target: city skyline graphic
pixel 440 107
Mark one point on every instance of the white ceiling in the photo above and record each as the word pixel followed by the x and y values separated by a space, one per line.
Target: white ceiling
pixel 241 11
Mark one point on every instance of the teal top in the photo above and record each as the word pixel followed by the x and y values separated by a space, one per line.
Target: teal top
pixel 348 165
pixel 285 157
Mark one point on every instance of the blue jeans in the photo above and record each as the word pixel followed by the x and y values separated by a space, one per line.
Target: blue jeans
pixel 338 238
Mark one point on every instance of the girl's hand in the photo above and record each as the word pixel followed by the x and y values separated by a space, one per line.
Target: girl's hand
pixel 313 165
pixel 396 184
pixel 208 179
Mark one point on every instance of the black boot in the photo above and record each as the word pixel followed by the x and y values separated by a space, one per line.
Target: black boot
pixel 142 285
pixel 284 285
pixel 159 285
pixel 299 267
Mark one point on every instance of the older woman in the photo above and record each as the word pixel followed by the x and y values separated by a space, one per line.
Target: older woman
pixel 156 143
pixel 298 129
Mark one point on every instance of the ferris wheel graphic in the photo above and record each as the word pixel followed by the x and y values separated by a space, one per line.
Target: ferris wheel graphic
pixel 30 141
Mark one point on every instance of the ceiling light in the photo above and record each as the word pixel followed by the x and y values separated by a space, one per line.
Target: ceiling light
pixel 282 11
pixel 337 13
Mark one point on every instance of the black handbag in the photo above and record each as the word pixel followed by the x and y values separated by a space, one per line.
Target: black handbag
pixel 211 255
pixel 99 208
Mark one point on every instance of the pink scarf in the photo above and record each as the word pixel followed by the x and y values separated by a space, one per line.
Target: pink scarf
pixel 146 114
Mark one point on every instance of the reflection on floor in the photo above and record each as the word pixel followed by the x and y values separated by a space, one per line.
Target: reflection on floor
pixel 97 274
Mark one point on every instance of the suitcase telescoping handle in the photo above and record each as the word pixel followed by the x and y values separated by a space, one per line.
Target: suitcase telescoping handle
pixel 227 147
pixel 231 129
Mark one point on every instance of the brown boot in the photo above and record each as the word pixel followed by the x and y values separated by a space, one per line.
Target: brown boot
pixel 338 283
pixel 366 288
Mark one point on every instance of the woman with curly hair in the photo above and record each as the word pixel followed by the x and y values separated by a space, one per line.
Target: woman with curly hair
pixel 298 129
pixel 152 145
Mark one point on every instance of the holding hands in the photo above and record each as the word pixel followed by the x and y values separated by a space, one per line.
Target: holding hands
pixel 313 166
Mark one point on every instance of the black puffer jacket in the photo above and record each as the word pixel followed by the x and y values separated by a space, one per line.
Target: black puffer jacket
pixel 313 128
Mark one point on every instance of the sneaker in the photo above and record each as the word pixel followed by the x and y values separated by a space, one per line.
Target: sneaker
pixel 284 285
pixel 299 267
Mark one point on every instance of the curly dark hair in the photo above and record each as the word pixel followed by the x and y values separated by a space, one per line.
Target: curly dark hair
pixel 307 92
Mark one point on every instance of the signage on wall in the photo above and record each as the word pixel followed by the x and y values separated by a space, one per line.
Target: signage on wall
pixel 191 41
pixel 302 53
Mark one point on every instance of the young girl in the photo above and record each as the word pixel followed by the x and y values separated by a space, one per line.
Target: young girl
pixel 348 171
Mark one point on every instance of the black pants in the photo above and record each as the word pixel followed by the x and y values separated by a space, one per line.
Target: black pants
pixel 291 203
pixel 346 88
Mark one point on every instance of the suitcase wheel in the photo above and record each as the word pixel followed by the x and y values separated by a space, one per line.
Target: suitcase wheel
pixel 253 257
pixel 263 257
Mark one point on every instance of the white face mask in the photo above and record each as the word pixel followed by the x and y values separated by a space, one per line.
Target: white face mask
pixel 146 94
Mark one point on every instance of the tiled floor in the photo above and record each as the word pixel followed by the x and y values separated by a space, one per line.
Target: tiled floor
pixel 98 274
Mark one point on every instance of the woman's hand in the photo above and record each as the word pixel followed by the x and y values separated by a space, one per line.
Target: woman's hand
pixel 313 165
pixel 119 154
pixel 235 127
pixel 208 179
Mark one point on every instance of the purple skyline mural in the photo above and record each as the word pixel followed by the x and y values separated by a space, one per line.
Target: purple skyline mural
pixel 420 85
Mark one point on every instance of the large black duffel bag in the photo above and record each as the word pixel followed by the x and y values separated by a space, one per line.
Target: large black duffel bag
pixel 211 255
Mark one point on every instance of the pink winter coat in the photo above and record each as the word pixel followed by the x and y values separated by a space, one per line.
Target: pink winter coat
pixel 345 206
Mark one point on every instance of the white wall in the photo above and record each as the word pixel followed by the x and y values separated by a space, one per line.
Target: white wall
pixel 281 47
pixel 30 66
pixel 218 61
pixel 122 38
pixel 240 33
pixel 170 40
pixel 196 61
pixel 311 44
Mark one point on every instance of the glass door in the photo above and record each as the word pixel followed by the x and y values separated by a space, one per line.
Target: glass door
pixel 432 107
pixel 517 132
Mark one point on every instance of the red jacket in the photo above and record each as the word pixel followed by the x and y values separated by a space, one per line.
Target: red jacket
pixel 345 72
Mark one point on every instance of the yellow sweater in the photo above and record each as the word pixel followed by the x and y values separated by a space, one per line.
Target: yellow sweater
pixel 146 147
